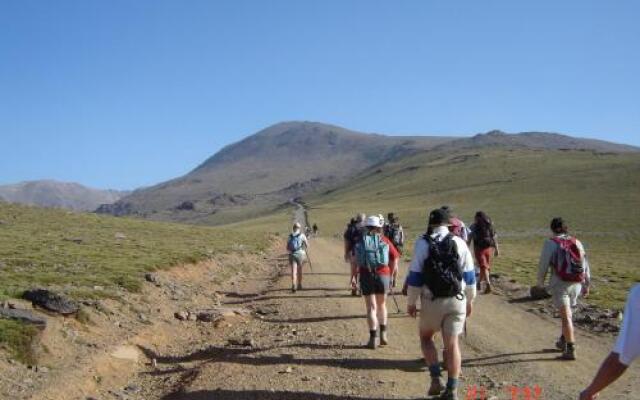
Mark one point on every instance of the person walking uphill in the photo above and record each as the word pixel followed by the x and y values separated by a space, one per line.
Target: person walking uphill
pixel 566 256
pixel 352 235
pixel 373 257
pixel 441 273
pixel 485 245
pixel 297 245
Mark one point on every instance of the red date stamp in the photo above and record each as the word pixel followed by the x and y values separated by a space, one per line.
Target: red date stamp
pixel 476 392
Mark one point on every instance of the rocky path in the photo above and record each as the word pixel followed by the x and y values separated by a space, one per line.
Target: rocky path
pixel 308 345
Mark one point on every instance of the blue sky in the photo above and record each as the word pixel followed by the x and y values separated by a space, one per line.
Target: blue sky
pixel 128 93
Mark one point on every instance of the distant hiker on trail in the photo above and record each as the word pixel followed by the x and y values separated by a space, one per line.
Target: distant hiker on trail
pixel 352 235
pixel 307 231
pixel 485 246
pixel 315 229
pixel 441 274
pixel 375 263
pixel 297 245
pixel 457 227
pixel 393 231
pixel 625 351
pixel 570 278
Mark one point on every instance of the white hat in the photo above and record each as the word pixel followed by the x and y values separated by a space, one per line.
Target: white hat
pixel 373 221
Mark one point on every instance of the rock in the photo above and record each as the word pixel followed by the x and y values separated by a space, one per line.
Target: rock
pixel 74 240
pixel 24 316
pixel 181 315
pixel 151 277
pixel 288 370
pixel 120 236
pixel 132 388
pixel 538 293
pixel 243 342
pixel 186 206
pixel 51 301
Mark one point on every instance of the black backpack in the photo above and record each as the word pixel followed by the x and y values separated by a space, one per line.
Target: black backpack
pixel 484 236
pixel 442 274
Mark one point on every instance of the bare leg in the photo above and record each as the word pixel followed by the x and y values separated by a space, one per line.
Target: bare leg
pixel 372 318
pixel 567 324
pixel 294 273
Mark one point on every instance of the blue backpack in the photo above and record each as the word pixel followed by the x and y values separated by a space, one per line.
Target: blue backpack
pixel 294 243
pixel 372 252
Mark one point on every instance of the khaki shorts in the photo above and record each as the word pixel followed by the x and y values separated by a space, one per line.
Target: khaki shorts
pixel 443 314
pixel 298 258
pixel 565 294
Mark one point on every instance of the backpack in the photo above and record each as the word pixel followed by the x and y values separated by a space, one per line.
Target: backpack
pixel 394 233
pixel 353 235
pixel 442 273
pixel 483 236
pixel 567 260
pixel 294 243
pixel 372 253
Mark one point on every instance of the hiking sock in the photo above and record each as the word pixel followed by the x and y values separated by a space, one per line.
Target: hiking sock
pixel 452 384
pixel 435 370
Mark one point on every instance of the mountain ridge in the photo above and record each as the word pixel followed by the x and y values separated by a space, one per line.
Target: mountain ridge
pixel 295 158
pixel 58 194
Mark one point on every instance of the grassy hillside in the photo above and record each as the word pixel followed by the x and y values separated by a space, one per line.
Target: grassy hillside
pixel 521 190
pixel 91 256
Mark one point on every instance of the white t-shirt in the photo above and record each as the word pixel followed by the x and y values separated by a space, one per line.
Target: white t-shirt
pixel 628 343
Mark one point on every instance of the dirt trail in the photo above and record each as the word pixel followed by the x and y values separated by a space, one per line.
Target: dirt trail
pixel 308 345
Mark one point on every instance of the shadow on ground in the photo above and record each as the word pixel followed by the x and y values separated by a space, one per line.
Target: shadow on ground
pixel 222 394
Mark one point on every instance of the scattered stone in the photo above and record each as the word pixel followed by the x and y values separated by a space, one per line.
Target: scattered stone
pixel 288 370
pixel 74 240
pixel 132 388
pixel 120 236
pixel 51 301
pixel 97 287
pixel 24 316
pixel 243 342
pixel 181 315
pixel 151 277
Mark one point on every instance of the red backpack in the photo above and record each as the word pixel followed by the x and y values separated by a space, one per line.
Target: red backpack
pixel 567 260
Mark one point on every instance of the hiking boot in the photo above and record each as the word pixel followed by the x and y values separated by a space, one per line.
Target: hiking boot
pixel 354 292
pixel 561 343
pixel 487 289
pixel 384 339
pixel 373 343
pixel 435 388
pixel 449 394
pixel 299 286
pixel 569 352
pixel 293 288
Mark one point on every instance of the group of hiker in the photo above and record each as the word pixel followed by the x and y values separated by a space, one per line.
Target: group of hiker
pixel 444 276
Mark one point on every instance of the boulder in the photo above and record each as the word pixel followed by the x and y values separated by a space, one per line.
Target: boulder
pixel 50 301
pixel 538 293
pixel 25 316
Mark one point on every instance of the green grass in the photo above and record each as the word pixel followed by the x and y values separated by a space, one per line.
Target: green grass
pixel 74 253
pixel 17 338
pixel 521 190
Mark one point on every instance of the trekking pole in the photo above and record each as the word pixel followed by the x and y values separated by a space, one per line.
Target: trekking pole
pixel 309 259
pixel 393 296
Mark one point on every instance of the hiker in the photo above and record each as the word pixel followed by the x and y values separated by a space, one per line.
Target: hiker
pixel 393 231
pixel 315 229
pixel 297 245
pixel 485 246
pixel 625 351
pixel 307 231
pixel 570 277
pixel 375 263
pixel 352 235
pixel 441 274
pixel 457 227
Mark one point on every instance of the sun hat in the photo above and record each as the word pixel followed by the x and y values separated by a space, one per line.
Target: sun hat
pixel 373 221
pixel 439 217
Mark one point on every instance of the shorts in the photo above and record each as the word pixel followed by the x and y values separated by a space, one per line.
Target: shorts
pixel 298 258
pixel 483 257
pixel 374 283
pixel 565 294
pixel 446 314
